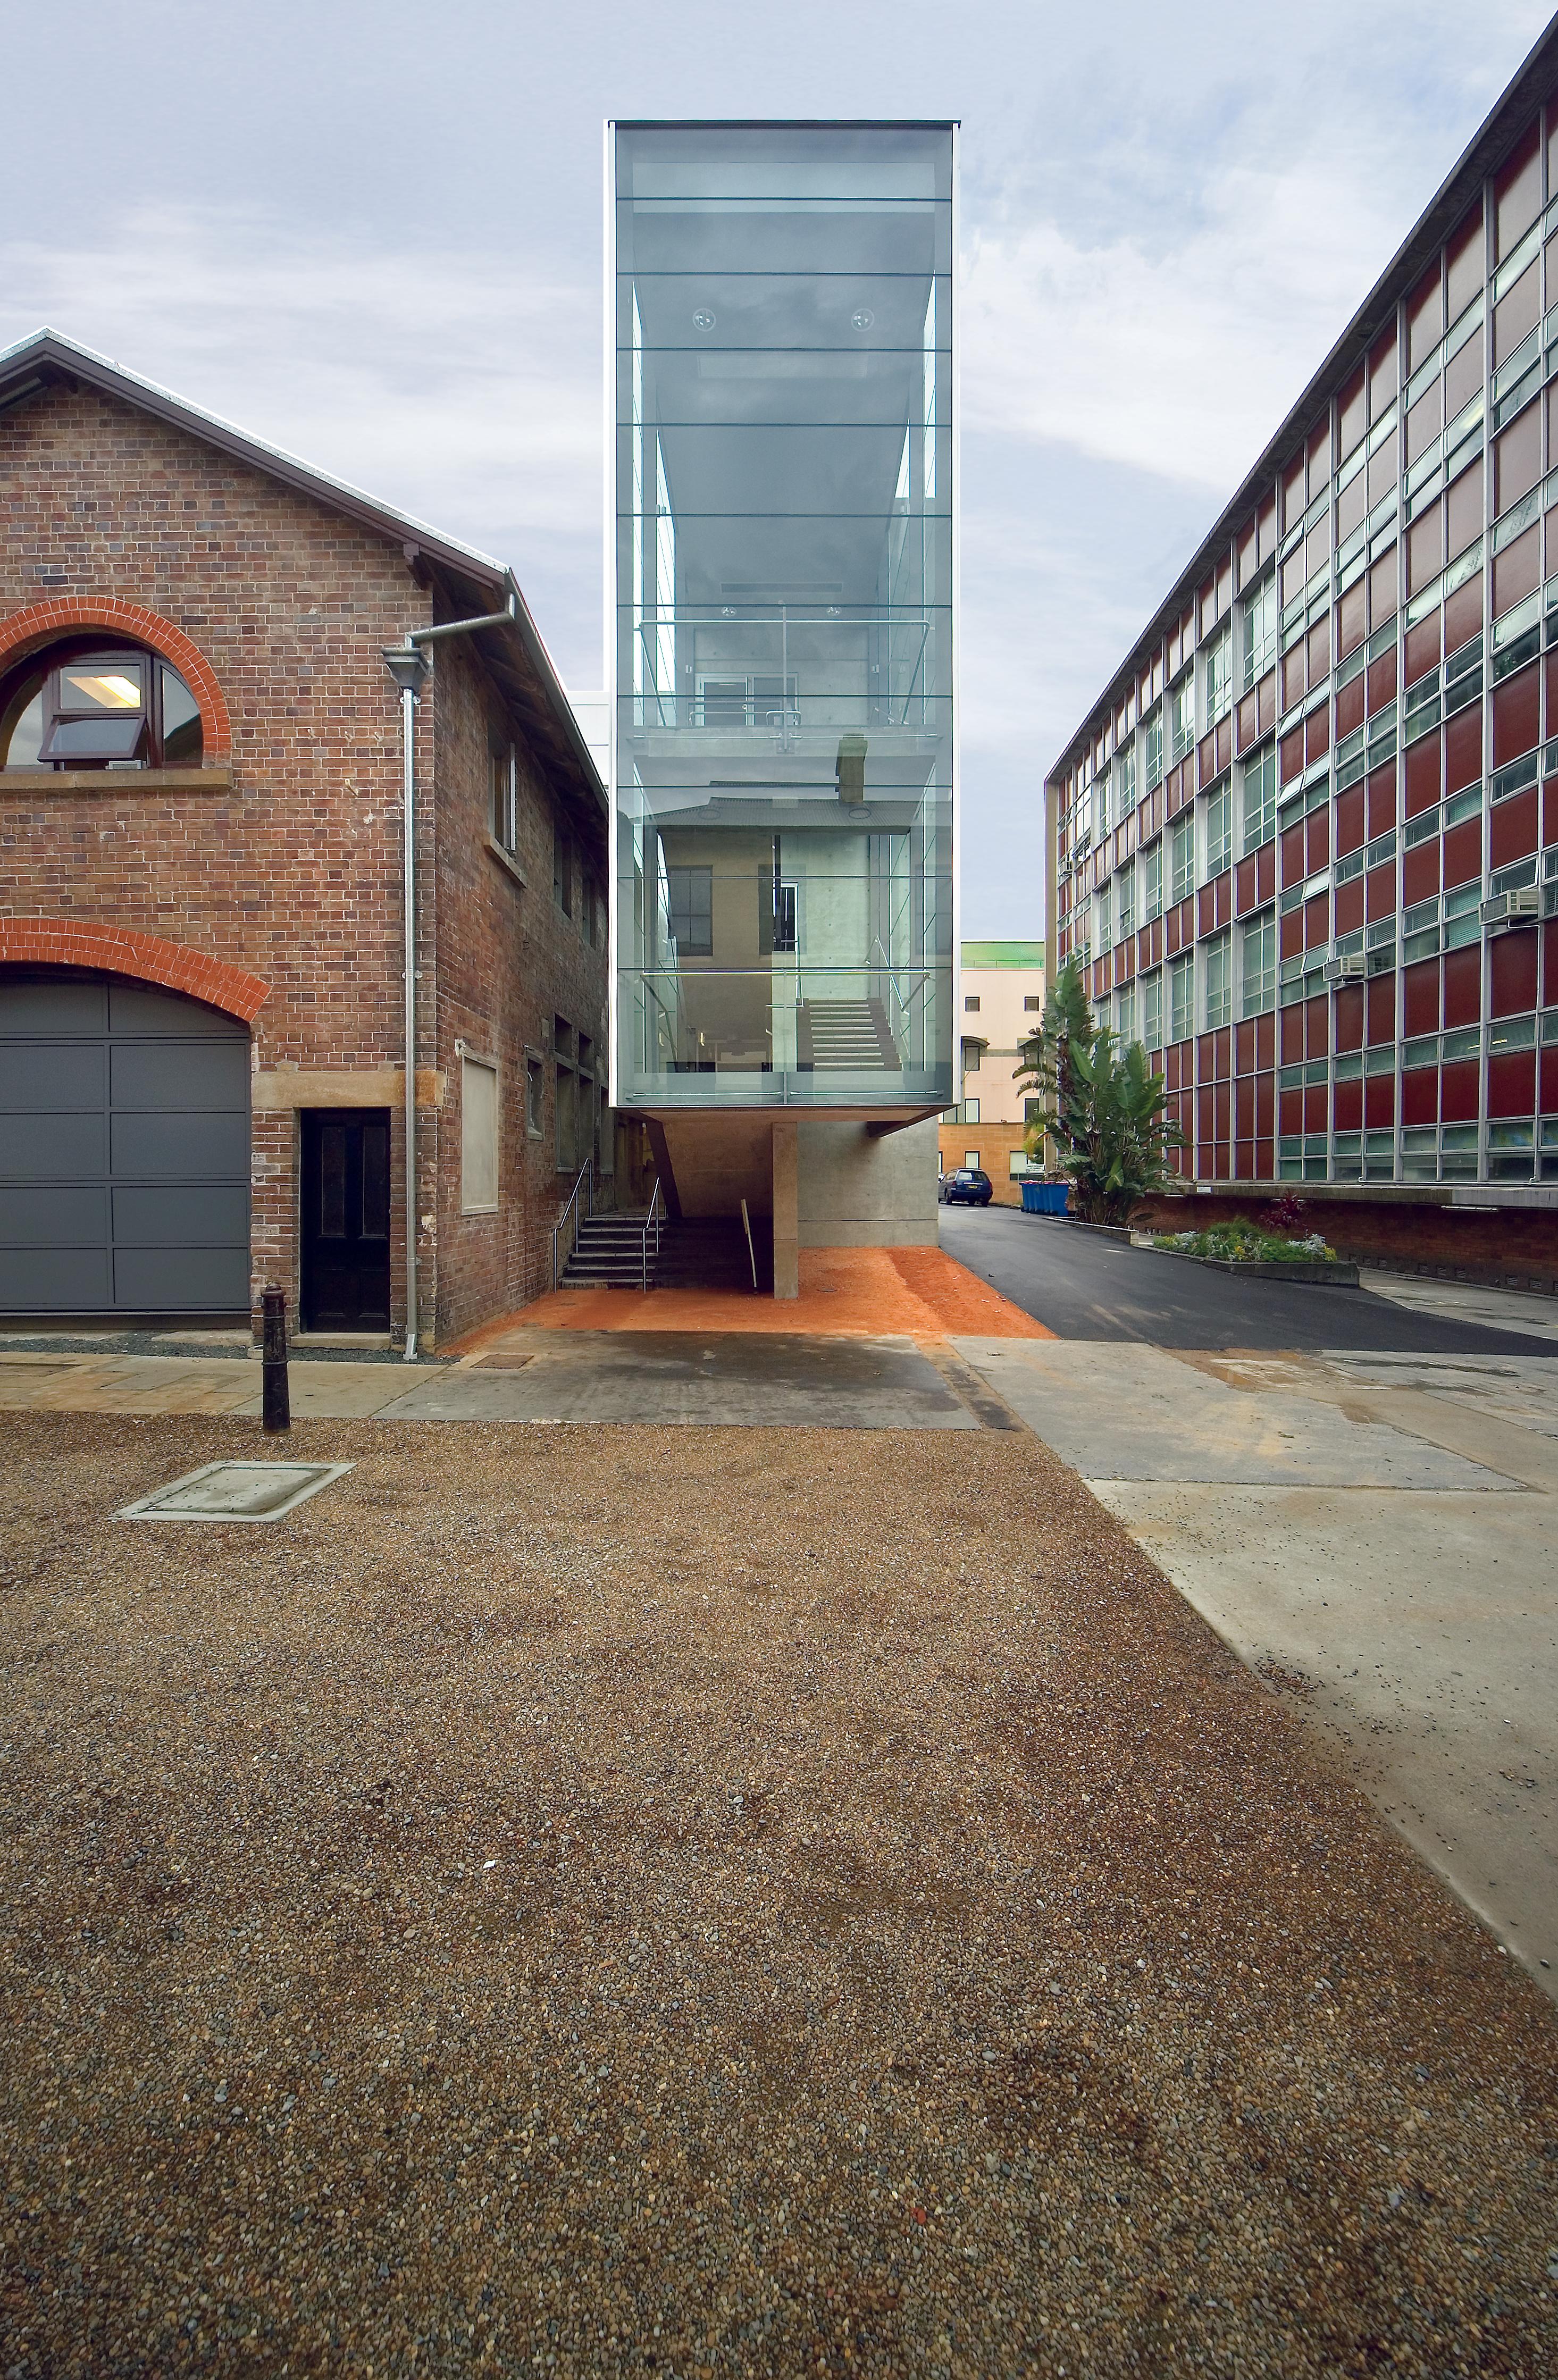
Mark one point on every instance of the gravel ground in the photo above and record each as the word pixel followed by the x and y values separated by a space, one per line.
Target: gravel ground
pixel 710 1901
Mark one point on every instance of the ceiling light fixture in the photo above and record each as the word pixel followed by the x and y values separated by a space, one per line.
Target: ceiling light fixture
pixel 862 317
pixel 109 692
pixel 705 318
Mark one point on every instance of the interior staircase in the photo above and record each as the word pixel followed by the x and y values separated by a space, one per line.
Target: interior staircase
pixel 845 1036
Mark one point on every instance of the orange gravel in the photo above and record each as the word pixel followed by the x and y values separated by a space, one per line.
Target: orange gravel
pixel 859 1292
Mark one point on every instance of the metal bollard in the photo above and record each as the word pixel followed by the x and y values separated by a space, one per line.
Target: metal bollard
pixel 275 1400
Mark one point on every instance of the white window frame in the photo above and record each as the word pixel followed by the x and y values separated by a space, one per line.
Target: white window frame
pixel 1182 969
pixel 1152 998
pixel 1261 764
pixel 1150 867
pixel 477 1180
pixel 1219 857
pixel 1217 996
pixel 1182 836
pixel 1217 675
pixel 503 825
pixel 1182 715
pixel 1258 991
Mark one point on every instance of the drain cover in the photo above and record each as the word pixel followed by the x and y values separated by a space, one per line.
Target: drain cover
pixel 235 1491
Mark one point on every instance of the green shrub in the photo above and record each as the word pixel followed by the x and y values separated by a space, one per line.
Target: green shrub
pixel 1246 1244
pixel 1103 1107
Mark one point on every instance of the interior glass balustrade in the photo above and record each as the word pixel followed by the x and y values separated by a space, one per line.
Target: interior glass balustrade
pixel 783 623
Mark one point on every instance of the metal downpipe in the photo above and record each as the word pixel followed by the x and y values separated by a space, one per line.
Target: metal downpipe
pixel 408 867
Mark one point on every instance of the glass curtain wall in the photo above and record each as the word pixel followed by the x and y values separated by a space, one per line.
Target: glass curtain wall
pixel 783 615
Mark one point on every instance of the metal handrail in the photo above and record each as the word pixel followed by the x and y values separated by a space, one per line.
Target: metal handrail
pixel 653 1222
pixel 891 974
pixel 587 1173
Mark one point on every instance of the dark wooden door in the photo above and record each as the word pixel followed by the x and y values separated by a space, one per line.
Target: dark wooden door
pixel 345 1245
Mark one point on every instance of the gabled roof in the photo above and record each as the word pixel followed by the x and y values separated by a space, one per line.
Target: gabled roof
pixel 515 652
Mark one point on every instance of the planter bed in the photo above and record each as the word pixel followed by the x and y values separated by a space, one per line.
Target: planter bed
pixel 1314 1274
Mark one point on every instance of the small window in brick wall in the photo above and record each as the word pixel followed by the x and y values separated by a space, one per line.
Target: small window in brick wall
pixel 478 1136
pixel 535 1097
pixel 503 796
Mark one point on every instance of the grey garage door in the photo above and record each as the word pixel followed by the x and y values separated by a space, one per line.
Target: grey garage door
pixel 124 1148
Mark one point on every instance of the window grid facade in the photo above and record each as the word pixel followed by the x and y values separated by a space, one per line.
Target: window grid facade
pixel 1376 808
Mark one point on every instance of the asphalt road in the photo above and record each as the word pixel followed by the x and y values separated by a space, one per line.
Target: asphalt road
pixel 1083 1285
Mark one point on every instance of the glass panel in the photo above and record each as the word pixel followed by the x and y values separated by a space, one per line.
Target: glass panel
pixel 332 1180
pixel 93 687
pixel 784 621
pixel 100 738
pixel 21 726
pixel 375 1181
pixel 182 738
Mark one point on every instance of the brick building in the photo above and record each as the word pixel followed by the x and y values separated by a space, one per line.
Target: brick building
pixel 1002 989
pixel 1307 841
pixel 202 877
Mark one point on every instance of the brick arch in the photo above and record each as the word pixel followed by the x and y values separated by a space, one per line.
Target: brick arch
pixel 42 623
pixel 53 941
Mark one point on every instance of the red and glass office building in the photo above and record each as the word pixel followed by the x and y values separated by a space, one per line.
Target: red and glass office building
pixel 1306 845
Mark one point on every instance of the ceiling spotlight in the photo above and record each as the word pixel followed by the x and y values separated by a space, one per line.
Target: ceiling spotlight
pixel 862 317
pixel 729 611
pixel 833 612
pixel 703 318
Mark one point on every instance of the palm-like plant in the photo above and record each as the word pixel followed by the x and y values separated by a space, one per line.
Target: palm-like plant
pixel 1103 1106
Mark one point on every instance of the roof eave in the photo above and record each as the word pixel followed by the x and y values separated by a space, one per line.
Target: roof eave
pixel 1534 82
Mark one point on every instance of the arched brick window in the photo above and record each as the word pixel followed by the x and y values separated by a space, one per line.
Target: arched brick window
pixel 97 700
pixel 107 625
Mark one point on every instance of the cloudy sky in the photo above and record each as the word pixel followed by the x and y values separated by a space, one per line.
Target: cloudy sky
pixel 371 233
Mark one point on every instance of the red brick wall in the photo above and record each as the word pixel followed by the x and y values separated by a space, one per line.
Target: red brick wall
pixel 291 872
pixel 1516 1246
pixel 509 962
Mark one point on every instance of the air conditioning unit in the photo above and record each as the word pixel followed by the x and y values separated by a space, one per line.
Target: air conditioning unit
pixel 1520 907
pixel 1351 967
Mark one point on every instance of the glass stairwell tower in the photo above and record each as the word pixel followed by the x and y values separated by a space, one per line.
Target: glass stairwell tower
pixel 782 627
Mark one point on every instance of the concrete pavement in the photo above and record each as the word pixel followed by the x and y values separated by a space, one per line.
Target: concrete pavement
pixel 760 1379
pixel 1373 1535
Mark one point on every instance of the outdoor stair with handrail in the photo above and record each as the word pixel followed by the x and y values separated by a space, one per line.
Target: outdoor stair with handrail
pixel 617 1250
pixel 653 1251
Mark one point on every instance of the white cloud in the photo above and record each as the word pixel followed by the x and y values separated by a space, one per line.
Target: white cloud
pixel 457 384
pixel 1177 356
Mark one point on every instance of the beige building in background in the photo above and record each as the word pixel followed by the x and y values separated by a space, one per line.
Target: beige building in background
pixel 1001 1005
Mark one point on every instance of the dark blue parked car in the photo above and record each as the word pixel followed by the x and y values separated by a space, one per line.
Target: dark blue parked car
pixel 966 1187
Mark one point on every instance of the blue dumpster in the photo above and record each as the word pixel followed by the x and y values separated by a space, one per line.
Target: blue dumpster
pixel 1045 1198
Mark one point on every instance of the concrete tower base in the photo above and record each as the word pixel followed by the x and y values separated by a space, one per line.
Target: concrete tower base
pixel 859 1182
